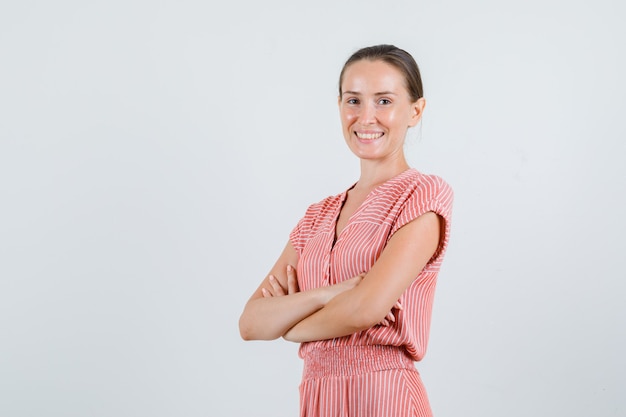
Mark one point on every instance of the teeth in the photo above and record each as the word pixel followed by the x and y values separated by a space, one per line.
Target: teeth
pixel 369 135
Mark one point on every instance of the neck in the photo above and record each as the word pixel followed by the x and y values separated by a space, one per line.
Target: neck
pixel 374 173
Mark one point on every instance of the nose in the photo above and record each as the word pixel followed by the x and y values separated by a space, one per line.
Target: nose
pixel 367 115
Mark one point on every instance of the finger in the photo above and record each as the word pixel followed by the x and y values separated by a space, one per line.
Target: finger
pixel 398 305
pixel 292 281
pixel 384 323
pixel 390 317
pixel 266 293
pixel 276 287
pixel 357 278
pixel 353 282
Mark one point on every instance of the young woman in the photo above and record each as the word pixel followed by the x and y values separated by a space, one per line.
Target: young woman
pixel 355 282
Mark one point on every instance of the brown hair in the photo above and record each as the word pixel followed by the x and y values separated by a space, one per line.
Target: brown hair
pixel 392 55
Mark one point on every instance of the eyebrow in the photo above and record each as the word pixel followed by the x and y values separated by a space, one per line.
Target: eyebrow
pixel 382 93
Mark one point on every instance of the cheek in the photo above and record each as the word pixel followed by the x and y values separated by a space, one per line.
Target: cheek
pixel 347 118
pixel 397 118
pixel 390 115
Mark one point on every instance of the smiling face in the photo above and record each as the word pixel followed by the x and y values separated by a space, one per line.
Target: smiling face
pixel 376 110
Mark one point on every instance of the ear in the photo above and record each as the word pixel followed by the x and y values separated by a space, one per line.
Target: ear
pixel 417 109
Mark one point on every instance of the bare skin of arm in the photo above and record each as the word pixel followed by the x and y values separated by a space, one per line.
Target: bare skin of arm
pixel 368 303
pixel 268 316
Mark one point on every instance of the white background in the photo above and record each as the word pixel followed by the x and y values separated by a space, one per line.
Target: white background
pixel 154 156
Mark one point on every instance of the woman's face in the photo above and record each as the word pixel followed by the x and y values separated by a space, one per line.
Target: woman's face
pixel 376 110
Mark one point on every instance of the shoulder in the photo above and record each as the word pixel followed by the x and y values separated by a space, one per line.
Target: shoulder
pixel 419 193
pixel 418 188
pixel 427 183
pixel 423 193
pixel 428 190
pixel 324 206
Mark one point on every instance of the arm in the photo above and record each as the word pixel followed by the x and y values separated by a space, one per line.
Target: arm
pixel 269 317
pixel 367 304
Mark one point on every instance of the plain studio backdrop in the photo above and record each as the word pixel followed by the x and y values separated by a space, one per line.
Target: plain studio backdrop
pixel 154 157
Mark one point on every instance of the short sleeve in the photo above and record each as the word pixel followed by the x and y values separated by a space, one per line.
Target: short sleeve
pixel 431 193
pixel 297 237
pixel 306 227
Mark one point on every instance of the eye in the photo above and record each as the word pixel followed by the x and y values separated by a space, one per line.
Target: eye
pixel 384 101
pixel 352 101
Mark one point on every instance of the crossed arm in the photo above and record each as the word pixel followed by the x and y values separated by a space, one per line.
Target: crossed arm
pixel 345 308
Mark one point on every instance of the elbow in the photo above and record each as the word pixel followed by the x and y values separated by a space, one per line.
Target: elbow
pixel 248 331
pixel 245 335
pixel 245 331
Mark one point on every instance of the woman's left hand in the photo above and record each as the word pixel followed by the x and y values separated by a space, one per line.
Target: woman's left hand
pixel 390 317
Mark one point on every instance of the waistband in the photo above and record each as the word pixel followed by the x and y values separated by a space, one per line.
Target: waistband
pixel 354 360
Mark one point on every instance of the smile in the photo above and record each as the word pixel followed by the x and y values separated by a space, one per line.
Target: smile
pixel 369 136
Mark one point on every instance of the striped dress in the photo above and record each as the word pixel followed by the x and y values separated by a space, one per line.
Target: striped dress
pixel 372 372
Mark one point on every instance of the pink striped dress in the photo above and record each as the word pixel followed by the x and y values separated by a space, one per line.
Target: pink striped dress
pixel 372 372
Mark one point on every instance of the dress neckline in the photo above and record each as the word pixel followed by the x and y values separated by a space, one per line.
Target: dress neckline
pixel 375 191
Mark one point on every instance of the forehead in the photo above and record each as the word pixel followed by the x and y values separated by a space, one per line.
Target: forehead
pixel 366 75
